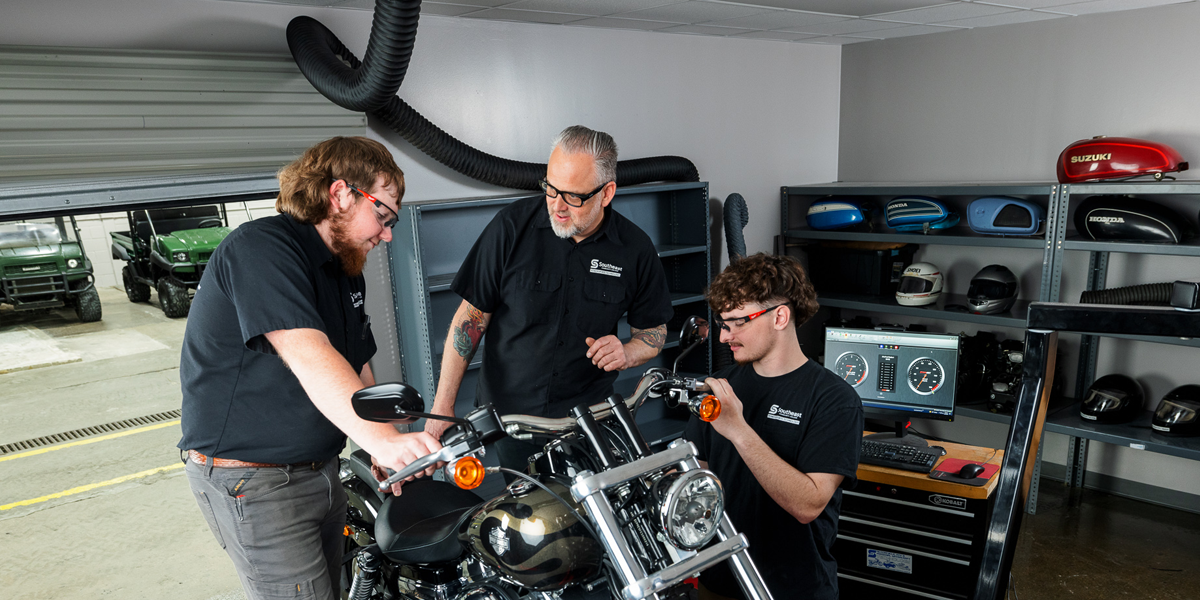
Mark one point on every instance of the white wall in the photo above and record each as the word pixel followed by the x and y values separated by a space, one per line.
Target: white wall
pixel 1000 104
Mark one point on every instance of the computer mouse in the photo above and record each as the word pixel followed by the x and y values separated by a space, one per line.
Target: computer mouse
pixel 970 471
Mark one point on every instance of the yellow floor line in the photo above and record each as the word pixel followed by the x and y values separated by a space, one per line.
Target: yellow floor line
pixel 91 486
pixel 90 440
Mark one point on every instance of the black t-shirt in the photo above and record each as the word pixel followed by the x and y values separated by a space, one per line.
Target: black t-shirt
pixel 813 420
pixel 546 295
pixel 239 400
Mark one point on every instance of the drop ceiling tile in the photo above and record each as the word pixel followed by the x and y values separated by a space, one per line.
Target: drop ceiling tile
pixel 1102 6
pixel 706 30
pixel 615 23
pixel 1028 3
pixel 778 19
pixel 597 8
pixel 834 40
pixel 785 36
pixel 912 30
pixel 1020 16
pixel 479 3
pixel 445 10
pixel 852 8
pixel 698 12
pixel 947 12
pixel 850 26
pixel 524 16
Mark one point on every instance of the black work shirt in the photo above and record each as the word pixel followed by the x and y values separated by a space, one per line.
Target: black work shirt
pixel 546 295
pixel 239 400
pixel 813 421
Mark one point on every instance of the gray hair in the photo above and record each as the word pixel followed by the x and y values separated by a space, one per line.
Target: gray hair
pixel 597 144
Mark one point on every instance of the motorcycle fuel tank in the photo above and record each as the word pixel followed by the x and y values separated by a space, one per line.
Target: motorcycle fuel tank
pixel 1115 158
pixel 533 539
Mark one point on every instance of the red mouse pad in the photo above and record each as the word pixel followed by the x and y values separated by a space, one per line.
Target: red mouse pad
pixel 948 471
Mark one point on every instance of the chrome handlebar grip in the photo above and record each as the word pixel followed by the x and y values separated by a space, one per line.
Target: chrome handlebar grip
pixel 524 426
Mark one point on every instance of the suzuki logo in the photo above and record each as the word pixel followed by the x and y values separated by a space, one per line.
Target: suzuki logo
pixel 1091 157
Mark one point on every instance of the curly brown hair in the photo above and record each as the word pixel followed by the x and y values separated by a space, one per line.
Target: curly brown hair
pixel 764 279
pixel 304 184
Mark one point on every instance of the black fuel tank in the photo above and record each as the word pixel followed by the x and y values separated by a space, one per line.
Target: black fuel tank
pixel 1126 219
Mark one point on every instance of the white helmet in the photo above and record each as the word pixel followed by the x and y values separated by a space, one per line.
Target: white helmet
pixel 920 284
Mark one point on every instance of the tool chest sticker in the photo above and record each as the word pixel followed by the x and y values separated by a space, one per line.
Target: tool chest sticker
pixel 889 561
pixel 948 501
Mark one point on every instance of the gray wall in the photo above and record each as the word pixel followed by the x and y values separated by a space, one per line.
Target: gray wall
pixel 1000 104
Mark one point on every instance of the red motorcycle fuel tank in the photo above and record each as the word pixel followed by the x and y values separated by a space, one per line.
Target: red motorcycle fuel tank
pixel 533 539
pixel 1115 158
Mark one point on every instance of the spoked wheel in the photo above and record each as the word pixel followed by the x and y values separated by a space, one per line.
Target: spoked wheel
pixel 135 290
pixel 173 298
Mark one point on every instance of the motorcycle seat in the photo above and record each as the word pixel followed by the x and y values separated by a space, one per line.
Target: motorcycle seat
pixel 420 526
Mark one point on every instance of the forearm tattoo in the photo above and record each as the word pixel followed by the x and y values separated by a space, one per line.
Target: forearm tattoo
pixel 468 334
pixel 655 338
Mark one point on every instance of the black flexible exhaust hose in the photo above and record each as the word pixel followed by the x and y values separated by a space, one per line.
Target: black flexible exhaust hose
pixel 736 215
pixel 1156 294
pixel 370 86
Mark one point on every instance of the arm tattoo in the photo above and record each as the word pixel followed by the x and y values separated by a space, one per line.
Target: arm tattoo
pixel 468 334
pixel 651 337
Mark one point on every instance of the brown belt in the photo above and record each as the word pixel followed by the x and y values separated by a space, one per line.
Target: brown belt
pixel 229 463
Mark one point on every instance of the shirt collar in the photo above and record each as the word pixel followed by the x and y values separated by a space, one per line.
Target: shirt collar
pixel 606 227
pixel 310 241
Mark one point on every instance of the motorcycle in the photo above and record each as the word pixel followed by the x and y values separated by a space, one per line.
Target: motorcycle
pixel 594 509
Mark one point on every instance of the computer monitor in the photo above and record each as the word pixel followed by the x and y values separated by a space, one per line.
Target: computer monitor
pixel 898 375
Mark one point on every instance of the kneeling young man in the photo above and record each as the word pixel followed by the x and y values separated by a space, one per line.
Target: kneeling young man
pixel 788 437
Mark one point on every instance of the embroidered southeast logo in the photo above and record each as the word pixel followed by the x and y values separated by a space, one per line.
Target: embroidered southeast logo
pixel 356 298
pixel 603 268
pixel 783 414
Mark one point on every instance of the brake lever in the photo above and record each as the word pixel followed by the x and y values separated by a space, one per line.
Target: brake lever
pixel 446 454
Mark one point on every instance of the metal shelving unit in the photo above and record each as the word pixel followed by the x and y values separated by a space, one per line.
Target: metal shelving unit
pixel 432 238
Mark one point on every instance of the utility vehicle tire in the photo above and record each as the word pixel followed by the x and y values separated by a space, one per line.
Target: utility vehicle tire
pixel 173 298
pixel 135 290
pixel 87 306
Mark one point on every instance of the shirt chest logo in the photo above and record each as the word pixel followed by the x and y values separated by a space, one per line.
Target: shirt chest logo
pixel 603 268
pixel 356 298
pixel 783 414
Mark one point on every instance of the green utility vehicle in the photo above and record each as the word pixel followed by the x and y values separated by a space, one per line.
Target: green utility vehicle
pixel 43 265
pixel 167 249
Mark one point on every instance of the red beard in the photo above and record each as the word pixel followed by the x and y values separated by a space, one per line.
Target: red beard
pixel 352 256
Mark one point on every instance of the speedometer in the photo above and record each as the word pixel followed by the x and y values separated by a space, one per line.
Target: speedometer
pixel 926 376
pixel 852 368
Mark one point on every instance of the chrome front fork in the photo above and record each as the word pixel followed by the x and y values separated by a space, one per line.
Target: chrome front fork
pixel 589 490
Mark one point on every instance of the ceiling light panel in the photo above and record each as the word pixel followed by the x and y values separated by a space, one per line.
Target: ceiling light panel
pixel 912 30
pixel 705 30
pixel 850 26
pixel 853 8
pixel 782 36
pixel 445 10
pixel 694 12
pixel 1102 6
pixel 1020 16
pixel 1029 3
pixel 524 16
pixel 837 41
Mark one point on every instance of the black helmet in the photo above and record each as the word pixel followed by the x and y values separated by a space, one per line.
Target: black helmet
pixel 1176 414
pixel 993 290
pixel 1112 399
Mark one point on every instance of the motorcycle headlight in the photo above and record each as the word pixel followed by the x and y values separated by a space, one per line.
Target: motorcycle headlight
pixel 73 263
pixel 691 508
pixel 180 256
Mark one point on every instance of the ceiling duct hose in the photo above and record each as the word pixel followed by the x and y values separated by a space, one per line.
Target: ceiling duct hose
pixel 736 214
pixel 370 86
pixel 1158 294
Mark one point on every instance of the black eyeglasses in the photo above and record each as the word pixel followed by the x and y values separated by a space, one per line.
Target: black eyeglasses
pixel 736 322
pixel 579 199
pixel 388 222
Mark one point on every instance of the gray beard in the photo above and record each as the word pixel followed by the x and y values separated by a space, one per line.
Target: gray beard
pixel 563 232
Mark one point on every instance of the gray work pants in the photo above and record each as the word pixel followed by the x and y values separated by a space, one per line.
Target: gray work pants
pixel 283 527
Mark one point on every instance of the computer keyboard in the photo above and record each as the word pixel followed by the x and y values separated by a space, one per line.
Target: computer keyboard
pixel 899 456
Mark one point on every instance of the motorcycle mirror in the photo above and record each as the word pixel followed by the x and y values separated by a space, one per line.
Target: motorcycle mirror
pixel 388 403
pixel 694 333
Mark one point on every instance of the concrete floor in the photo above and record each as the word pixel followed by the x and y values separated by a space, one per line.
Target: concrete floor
pixel 134 530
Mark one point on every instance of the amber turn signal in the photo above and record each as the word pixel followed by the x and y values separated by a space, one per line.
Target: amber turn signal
pixel 468 473
pixel 709 409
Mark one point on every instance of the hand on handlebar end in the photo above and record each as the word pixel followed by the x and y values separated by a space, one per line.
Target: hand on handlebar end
pixel 731 420
pixel 381 474
pixel 406 448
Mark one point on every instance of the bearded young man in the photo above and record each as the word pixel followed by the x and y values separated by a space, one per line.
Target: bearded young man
pixel 547 282
pixel 277 341
pixel 788 437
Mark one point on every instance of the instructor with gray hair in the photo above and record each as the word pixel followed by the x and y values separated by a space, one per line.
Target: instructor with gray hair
pixel 543 289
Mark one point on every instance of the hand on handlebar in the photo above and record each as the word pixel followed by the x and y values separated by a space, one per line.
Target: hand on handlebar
pixel 731 421
pixel 436 428
pixel 405 449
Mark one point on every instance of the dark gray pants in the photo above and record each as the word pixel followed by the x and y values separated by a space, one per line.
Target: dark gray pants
pixel 283 527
